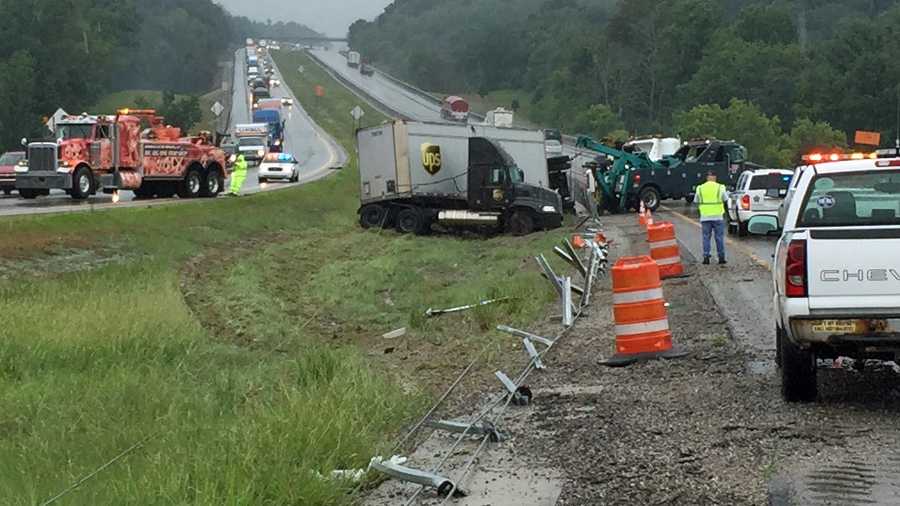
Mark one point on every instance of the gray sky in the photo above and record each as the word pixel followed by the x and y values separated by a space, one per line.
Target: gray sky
pixel 331 17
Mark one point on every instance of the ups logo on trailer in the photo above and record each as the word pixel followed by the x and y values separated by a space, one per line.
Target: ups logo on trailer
pixel 431 158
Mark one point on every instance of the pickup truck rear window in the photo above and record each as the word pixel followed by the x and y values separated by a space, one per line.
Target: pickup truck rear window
pixel 770 182
pixel 852 199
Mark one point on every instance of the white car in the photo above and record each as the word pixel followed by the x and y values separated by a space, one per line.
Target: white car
pixel 837 268
pixel 553 147
pixel 289 102
pixel 757 192
pixel 275 82
pixel 281 166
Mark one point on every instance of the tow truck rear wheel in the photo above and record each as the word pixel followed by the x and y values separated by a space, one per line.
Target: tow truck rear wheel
pixel 212 184
pixel 798 372
pixel 650 197
pixel 520 223
pixel 82 183
pixel 192 184
pixel 29 194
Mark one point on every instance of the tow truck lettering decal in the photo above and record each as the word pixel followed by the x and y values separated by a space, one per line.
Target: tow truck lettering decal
pixel 859 275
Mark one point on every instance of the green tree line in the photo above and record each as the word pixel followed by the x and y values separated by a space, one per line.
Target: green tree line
pixel 67 53
pixel 806 72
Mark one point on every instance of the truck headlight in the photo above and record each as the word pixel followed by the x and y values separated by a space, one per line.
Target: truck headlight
pixel 278 142
pixel 261 152
pixel 548 209
pixel 20 168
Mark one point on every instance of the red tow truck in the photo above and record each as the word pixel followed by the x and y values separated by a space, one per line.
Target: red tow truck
pixel 132 150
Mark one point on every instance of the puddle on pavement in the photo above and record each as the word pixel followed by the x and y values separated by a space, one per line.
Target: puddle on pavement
pixel 852 482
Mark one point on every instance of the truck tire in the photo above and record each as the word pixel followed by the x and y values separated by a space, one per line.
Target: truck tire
pixel 410 221
pixel 650 197
pixel 7 191
pixel 29 194
pixel 798 372
pixel 82 183
pixel 742 230
pixel 372 216
pixel 144 192
pixel 213 183
pixel 520 222
pixel 191 185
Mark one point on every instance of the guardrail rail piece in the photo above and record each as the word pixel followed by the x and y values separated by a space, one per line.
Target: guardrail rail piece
pixel 589 279
pixel 484 428
pixel 577 259
pixel 443 485
pixel 521 395
pixel 568 317
pixel 549 274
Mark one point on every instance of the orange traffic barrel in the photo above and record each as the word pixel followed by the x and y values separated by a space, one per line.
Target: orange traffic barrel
pixel 640 314
pixel 664 249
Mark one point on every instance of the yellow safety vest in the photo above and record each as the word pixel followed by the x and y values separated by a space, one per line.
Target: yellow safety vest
pixel 710 202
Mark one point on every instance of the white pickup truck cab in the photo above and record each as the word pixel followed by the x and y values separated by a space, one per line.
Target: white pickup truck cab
pixel 837 268
pixel 759 191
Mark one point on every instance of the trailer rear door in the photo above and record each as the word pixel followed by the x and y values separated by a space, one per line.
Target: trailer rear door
pixel 377 163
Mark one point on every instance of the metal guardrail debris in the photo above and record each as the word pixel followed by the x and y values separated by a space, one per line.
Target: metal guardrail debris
pixel 485 423
pixel 435 312
pixel 443 485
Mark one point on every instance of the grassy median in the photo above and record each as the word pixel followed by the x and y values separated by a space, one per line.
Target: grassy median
pixel 238 339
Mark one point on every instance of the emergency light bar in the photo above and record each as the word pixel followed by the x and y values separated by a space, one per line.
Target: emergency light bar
pixel 837 157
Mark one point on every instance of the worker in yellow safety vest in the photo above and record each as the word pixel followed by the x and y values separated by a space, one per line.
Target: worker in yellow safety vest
pixel 710 197
pixel 238 176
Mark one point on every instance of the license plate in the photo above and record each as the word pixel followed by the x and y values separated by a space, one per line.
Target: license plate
pixel 834 326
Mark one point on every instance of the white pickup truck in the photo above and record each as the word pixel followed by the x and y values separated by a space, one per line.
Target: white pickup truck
pixel 837 268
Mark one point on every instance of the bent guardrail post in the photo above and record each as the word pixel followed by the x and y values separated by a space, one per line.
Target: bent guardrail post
pixel 426 479
pixel 521 396
pixel 528 335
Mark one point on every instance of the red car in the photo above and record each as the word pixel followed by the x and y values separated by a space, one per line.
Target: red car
pixel 8 164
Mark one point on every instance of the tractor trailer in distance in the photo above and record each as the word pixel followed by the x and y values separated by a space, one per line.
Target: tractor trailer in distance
pixel 353 59
pixel 413 175
pixel 133 150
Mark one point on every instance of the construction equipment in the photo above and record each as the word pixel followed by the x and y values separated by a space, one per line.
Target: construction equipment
pixel 624 179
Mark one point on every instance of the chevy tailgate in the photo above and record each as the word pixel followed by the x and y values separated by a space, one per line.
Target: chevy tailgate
pixel 851 268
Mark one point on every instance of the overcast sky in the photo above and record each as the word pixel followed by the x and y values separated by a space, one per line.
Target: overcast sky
pixel 331 17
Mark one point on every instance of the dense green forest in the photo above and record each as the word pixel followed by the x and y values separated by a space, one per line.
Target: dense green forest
pixel 67 53
pixel 789 74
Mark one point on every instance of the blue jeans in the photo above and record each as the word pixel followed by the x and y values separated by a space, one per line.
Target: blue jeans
pixel 717 226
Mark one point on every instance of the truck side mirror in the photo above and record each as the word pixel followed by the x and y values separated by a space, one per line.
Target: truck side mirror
pixel 521 175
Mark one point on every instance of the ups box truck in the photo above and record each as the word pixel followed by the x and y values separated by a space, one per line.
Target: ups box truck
pixel 415 174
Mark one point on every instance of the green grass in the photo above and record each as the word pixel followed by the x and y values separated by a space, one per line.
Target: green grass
pixel 240 335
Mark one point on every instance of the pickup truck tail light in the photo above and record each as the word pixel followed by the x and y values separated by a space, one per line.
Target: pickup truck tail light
pixel 795 271
pixel 745 202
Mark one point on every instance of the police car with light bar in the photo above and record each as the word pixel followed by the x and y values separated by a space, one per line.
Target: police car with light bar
pixel 836 271
pixel 280 166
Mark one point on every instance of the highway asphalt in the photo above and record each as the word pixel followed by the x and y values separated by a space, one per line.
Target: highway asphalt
pixel 317 152
pixel 382 89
